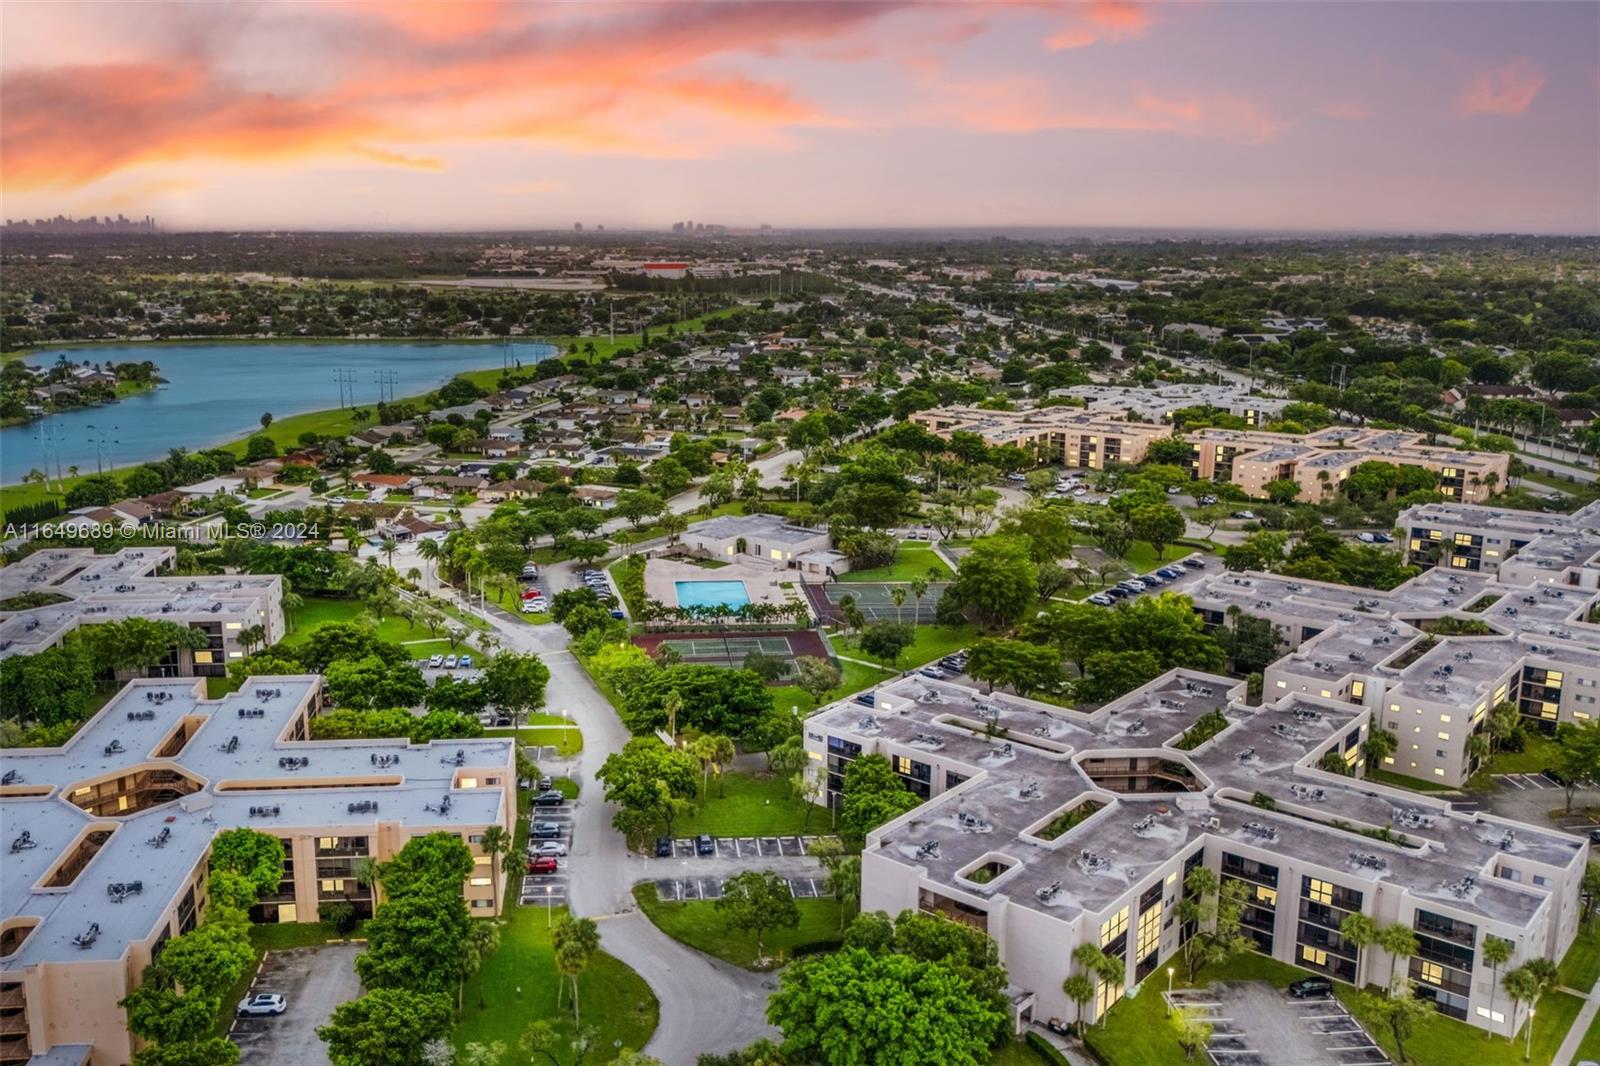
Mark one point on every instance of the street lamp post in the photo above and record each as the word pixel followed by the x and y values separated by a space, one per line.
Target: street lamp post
pixel 1528 1048
pixel 1170 972
pixel 548 889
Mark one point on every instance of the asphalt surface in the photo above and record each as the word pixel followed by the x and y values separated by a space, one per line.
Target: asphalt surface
pixel 314 981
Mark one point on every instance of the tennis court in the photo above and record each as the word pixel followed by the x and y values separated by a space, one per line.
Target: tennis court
pixel 714 649
pixel 875 601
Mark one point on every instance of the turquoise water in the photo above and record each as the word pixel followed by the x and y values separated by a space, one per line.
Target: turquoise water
pixel 711 593
pixel 218 392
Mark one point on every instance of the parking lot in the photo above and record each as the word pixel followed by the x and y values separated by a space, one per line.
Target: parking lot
pixel 314 981
pixel 549 890
pixel 1255 1024
pixel 745 847
pixel 1523 782
pixel 688 889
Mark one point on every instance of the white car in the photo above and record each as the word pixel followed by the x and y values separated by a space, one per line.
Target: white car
pixel 553 848
pixel 262 1003
pixel 533 606
pixel 1366 538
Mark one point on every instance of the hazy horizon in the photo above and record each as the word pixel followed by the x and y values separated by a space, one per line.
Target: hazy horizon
pixel 1306 119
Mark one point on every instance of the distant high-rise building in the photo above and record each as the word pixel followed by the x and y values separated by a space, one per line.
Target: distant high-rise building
pixel 577 227
pixel 92 224
pixel 677 227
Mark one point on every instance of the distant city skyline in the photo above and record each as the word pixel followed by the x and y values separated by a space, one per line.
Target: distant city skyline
pixel 484 114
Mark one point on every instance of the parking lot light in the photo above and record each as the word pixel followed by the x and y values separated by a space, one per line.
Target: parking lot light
pixel 1170 972
pixel 547 904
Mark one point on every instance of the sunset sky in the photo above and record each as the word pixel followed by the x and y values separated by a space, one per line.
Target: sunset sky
pixel 1276 115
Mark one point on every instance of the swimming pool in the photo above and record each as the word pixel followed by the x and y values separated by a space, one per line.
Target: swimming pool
pixel 711 593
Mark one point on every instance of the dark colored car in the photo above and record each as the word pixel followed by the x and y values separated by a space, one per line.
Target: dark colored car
pixel 551 798
pixel 546 830
pixel 867 699
pixel 544 864
pixel 1594 836
pixel 704 845
pixel 1311 988
pixel 663 847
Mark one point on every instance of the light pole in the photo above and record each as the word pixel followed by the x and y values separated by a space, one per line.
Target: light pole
pixel 1170 972
pixel 1528 1048
pixel 547 904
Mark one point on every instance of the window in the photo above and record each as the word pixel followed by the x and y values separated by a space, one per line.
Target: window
pixel 480 882
pixel 1431 972
pixel 1319 891
pixel 1444 736
pixel 1149 930
pixel 1315 956
pixel 1494 1016
pixel 1269 896
pixel 1438 771
pixel 1113 927
pixel 1358 689
pixel 1445 719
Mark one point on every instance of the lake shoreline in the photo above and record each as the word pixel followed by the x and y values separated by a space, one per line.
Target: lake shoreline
pixel 53 347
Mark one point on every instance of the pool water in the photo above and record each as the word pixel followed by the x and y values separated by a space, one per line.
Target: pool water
pixel 711 593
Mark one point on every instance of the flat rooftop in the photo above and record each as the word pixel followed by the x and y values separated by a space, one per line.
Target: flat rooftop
pixel 770 528
pixel 1026 776
pixel 241 741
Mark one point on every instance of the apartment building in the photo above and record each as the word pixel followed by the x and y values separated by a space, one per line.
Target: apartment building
pixel 1049 828
pixel 1429 657
pixel 1061 435
pixel 109 836
pixel 1320 462
pixel 85 588
pixel 1158 403
pixel 1523 547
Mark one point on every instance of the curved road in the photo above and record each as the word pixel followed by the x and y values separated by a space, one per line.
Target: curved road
pixel 706 1005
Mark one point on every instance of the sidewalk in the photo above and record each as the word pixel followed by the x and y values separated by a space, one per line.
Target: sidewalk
pixel 1569 1046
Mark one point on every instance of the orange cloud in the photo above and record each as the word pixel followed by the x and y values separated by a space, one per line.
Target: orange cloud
pixel 1102 20
pixel 1022 105
pixel 1508 89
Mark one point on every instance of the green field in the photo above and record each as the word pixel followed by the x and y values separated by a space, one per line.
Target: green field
pixel 568 740
pixel 319 610
pixel 933 642
pixel 1016 1053
pixel 701 926
pixel 1589 1047
pixel 1580 969
pixel 853 678
pixel 754 805
pixel 911 561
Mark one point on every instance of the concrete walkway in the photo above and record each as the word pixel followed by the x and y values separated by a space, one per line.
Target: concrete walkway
pixel 1568 1052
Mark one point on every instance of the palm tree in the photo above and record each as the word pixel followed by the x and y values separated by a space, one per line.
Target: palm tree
pixel 428 548
pixel 1400 942
pixel 701 749
pixel 897 596
pixel 722 752
pixel 672 703
pixel 1522 985
pixel 367 873
pixel 1080 989
pixel 576 940
pixel 481 940
pixel 292 602
pixel 496 842
pixel 1496 952
pixel 1359 931
pixel 919 589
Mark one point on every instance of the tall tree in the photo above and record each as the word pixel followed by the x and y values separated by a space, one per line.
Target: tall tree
pixel 576 941
pixel 758 901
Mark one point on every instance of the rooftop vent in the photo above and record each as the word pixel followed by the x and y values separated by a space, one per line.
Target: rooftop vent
pixel 12 777
pixel 252 712
pixel 23 842
pixel 362 807
pixel 293 762
pixel 930 850
pixel 88 936
pixel 1263 832
pixel 1412 818
pixel 1366 860
pixel 1048 892
pixel 927 740
pixel 1091 863
pixel 1463 888
pixel 265 812
pixel 115 748
pixel 121 890
pixel 231 746
pixel 1306 792
pixel 385 759
pixel 1030 790
pixel 971 823
pixel 161 838
pixel 146 715
pixel 268 693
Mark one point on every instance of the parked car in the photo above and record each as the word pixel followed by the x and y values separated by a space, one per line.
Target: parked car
pixel 544 864
pixel 1246 515
pixel 1194 562
pixel 1594 836
pixel 436 661
pixel 1016 477
pixel 1173 490
pixel 1206 501
pixel 618 615
pixel 262 1003
pixel 466 662
pixel 866 699
pixel 933 673
pixel 1100 599
pixel 546 830
pixel 663 847
pixel 1171 573
pixel 449 662
pixel 549 847
pixel 1153 579
pixel 550 798
pixel 1367 538
pixel 1134 584
pixel 1311 988
pixel 545 784
pixel 704 845
pixel 1114 593
pixel 1330 521
pixel 533 606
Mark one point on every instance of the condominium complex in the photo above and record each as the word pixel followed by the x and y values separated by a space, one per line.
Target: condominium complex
pixel 78 587
pixel 1520 546
pixel 1249 458
pixel 1158 404
pixel 1430 657
pixel 1049 828
pixel 1320 462
pixel 108 838
pixel 1065 435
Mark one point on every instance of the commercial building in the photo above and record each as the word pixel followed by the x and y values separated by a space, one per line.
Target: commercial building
pixel 1320 462
pixel 769 538
pixel 1050 828
pixel 1065 435
pixel 108 838
pixel 86 588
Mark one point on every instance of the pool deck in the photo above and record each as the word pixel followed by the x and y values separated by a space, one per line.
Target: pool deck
pixel 761 582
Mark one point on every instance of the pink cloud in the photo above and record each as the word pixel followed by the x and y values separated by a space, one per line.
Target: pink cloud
pixel 1344 109
pixel 1508 89
pixel 1102 20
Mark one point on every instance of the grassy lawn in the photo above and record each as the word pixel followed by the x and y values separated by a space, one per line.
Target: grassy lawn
pixel 1141 556
pixel 319 610
pixel 1137 1032
pixel 1415 784
pixel 567 740
pixel 1581 967
pixel 1589 1048
pixel 933 642
pixel 1537 753
pixel 700 925
pixel 912 560
pixel 1016 1053
pixel 853 678
pixel 753 806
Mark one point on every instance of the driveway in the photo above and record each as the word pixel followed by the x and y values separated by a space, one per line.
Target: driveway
pixel 315 981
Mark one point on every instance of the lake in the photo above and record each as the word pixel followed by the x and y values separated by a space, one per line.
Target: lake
pixel 217 393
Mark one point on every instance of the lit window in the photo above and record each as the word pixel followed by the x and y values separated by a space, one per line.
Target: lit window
pixel 1438 771
pixel 1319 891
pixel 480 882
pixel 1315 956
pixel 1388 760
pixel 1432 972
pixel 1269 896
pixel 1445 718
pixel 1113 927
pixel 1444 736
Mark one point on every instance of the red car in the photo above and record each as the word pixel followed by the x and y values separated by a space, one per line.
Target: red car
pixel 544 864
